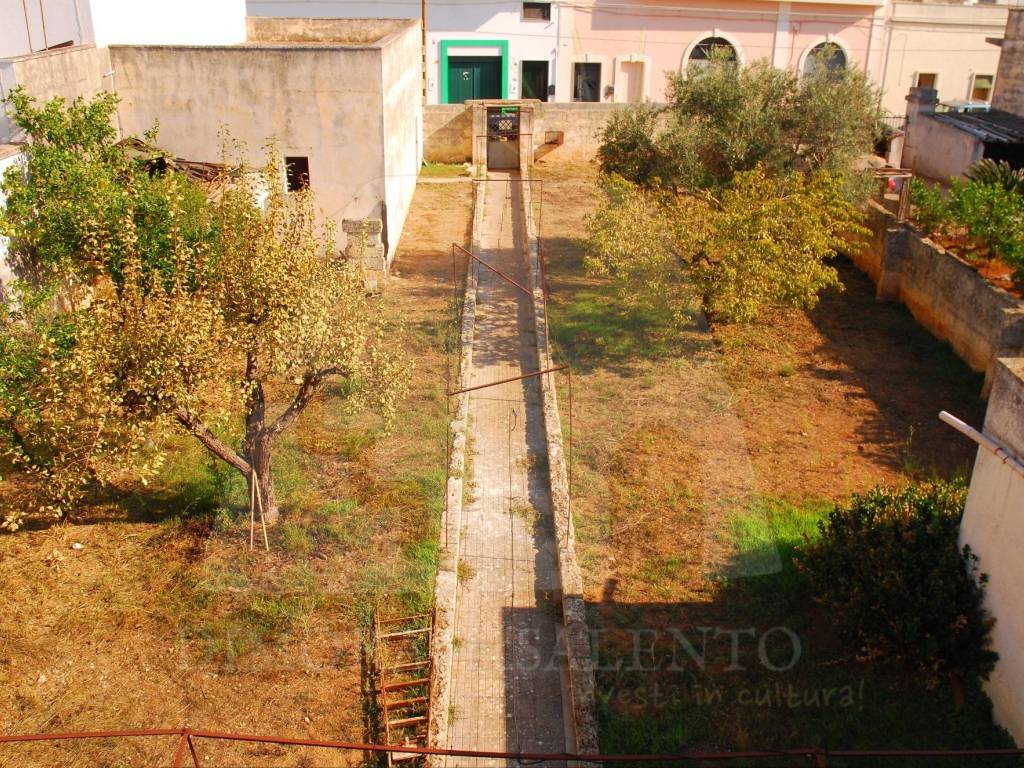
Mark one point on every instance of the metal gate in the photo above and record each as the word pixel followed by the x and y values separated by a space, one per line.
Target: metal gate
pixel 502 138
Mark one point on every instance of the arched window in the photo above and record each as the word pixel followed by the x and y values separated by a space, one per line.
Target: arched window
pixel 718 47
pixel 829 55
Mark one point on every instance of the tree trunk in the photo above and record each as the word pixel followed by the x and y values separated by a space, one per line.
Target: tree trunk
pixel 259 458
pixel 257 448
pixel 959 692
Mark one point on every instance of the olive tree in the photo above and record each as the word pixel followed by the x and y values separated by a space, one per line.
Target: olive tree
pixel 740 189
pixel 762 241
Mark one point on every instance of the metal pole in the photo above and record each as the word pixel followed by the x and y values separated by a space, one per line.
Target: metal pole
pixel 28 27
pixel 507 381
pixel 42 18
pixel 495 270
pixel 569 505
pixel 989 444
pixel 179 753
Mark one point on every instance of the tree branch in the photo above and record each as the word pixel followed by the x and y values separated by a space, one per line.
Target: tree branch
pixel 310 385
pixel 211 442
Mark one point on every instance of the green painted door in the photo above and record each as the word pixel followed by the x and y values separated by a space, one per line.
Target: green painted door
pixel 473 78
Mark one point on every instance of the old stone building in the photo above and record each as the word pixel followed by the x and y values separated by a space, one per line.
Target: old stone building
pixel 342 98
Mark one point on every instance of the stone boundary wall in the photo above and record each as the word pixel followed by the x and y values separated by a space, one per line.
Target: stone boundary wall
pixel 575 633
pixel 447 581
pixel 448 129
pixel 447 133
pixel 981 321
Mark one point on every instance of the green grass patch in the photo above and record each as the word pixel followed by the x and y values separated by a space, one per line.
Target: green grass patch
pixel 592 327
pixel 767 536
pixel 443 170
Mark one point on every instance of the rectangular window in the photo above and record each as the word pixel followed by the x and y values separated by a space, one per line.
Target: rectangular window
pixel 296 171
pixel 586 82
pixel 927 79
pixel 981 88
pixel 537 11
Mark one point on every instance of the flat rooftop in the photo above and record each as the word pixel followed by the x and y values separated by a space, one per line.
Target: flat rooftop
pixel 994 126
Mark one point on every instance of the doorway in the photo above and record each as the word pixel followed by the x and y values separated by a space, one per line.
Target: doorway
pixel 633 81
pixel 586 82
pixel 535 80
pixel 502 138
pixel 473 78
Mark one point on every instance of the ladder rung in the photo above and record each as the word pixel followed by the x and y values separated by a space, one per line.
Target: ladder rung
pixel 407 702
pixel 407 666
pixel 400 619
pixel 407 721
pixel 406 684
pixel 406 633
pixel 404 757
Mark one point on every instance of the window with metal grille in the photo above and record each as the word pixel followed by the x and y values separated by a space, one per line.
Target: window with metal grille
pixel 537 11
pixel 296 172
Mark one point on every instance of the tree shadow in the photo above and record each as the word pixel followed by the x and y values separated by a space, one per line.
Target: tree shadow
pixel 594 327
pixel 907 374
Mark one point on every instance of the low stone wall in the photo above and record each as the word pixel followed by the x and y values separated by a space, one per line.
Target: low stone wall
pixel 980 321
pixel 579 660
pixel 442 646
pixel 447 133
pixel 448 129
pixel 580 124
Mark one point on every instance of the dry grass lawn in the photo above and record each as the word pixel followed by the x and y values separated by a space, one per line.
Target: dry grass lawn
pixel 163 618
pixel 700 461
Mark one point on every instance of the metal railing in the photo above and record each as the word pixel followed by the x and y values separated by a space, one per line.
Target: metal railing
pixel 816 756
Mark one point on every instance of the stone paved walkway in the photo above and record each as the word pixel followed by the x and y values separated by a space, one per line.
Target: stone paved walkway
pixel 508 675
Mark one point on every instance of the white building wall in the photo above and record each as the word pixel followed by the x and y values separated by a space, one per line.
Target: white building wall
pixel 993 527
pixel 151 22
pixel 9 157
pixel 467 20
pixel 402 114
pixel 946 40
pixel 34 25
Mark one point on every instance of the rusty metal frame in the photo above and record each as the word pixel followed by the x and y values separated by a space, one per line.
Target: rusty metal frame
pixel 383 668
pixel 493 269
pixel 529 375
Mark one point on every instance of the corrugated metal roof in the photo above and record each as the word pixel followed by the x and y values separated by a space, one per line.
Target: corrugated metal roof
pixel 994 126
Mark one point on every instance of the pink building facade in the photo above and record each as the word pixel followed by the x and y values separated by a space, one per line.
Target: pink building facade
pixel 628 46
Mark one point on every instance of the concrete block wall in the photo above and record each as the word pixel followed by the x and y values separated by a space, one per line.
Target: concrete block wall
pixel 980 321
pixel 447 133
pixel 69 73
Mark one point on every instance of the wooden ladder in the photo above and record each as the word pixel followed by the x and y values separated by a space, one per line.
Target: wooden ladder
pixel 401 656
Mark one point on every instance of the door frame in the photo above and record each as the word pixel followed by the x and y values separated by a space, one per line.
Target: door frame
pixel 547 76
pixel 446 44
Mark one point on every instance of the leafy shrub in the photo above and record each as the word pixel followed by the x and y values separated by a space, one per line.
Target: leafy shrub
pixel 998 172
pixel 932 209
pixel 889 569
pixel 990 214
pixel 628 147
pixel 994 217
